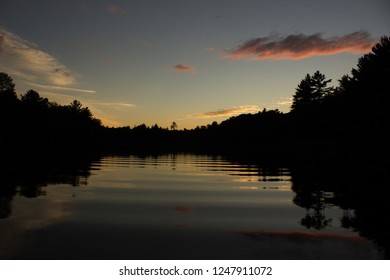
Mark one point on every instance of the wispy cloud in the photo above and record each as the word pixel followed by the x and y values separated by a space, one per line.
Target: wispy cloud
pixel 301 46
pixel 21 56
pixel 114 104
pixel 227 112
pixel 26 61
pixel 61 88
pixel 104 110
pixel 284 101
pixel 184 68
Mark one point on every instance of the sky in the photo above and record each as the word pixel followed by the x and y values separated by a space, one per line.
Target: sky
pixel 188 61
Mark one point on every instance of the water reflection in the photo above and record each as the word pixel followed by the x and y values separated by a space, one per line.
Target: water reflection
pixel 29 178
pixel 189 206
pixel 356 188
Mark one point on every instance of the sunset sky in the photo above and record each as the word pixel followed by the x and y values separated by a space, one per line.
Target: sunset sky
pixel 188 61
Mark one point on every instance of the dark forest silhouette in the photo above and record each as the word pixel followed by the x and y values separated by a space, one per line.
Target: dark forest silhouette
pixel 323 121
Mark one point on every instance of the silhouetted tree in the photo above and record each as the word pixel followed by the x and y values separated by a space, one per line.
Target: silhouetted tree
pixel 9 114
pixel 33 98
pixel 7 88
pixel 310 92
pixel 319 86
pixel 173 126
pixel 374 66
pixel 360 104
pixel 75 106
pixel 303 94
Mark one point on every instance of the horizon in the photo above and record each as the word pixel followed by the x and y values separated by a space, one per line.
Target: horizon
pixel 192 63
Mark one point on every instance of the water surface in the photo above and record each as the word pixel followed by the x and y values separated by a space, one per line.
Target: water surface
pixel 174 207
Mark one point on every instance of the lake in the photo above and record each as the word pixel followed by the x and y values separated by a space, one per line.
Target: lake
pixel 175 206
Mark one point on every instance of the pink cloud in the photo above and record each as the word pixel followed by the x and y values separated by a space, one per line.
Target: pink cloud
pixel 114 9
pixel 184 68
pixel 301 46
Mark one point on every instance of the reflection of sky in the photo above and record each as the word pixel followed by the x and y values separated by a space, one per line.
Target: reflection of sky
pixel 34 214
pixel 168 194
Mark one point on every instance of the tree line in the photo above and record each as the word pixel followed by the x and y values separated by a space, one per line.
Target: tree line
pixel 32 123
pixel 349 119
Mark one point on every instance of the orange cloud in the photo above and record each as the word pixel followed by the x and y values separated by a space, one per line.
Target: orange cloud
pixel 184 68
pixel 227 112
pixel 301 46
pixel 114 9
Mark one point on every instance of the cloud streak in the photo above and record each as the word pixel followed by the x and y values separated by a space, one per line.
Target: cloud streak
pixel 227 112
pixel 48 87
pixel 114 104
pixel 184 68
pixel 294 47
pixel 24 58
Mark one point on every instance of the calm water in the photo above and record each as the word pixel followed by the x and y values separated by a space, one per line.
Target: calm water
pixel 173 207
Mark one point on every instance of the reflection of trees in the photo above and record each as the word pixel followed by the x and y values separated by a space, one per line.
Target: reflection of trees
pixel 313 194
pixel 5 206
pixel 348 220
pixel 315 214
pixel 29 178
pixel 6 194
pixel 359 190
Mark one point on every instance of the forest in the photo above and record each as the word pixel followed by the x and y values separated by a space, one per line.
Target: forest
pixel 348 121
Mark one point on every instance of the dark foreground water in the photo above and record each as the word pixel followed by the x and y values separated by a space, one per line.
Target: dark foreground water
pixel 175 207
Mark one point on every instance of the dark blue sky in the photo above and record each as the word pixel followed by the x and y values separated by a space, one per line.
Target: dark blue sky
pixel 188 61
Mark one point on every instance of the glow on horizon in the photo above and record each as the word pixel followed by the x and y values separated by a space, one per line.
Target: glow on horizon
pixel 192 62
pixel 27 62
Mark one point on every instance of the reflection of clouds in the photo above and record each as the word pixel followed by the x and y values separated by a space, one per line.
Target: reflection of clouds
pixel 261 187
pixel 33 214
pixel 245 179
pixel 184 209
pixel 201 171
pixel 310 245
pixel 248 188
pixel 258 235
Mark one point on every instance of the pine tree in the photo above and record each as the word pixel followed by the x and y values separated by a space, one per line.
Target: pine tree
pixel 311 91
